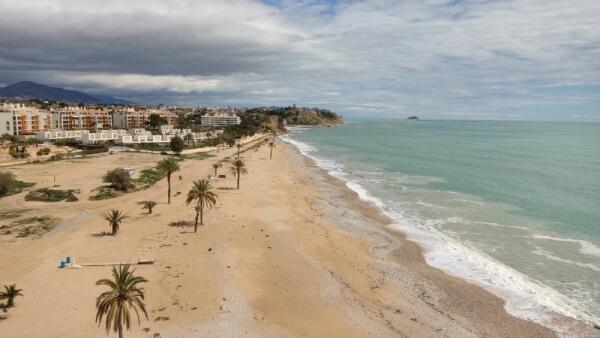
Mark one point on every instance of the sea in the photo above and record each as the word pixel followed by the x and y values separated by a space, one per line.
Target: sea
pixel 511 206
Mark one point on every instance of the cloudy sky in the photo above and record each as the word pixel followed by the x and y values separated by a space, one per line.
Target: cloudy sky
pixel 451 59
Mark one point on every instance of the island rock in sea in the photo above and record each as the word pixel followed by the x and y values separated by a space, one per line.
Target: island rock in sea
pixel 413 118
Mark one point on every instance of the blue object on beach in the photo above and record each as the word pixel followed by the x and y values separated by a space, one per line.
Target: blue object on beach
pixel 63 264
pixel 69 259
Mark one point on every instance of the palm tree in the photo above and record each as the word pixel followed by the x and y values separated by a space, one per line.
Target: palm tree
pixel 124 295
pixel 169 166
pixel 217 166
pixel 10 293
pixel 114 218
pixel 147 205
pixel 202 193
pixel 271 145
pixel 238 169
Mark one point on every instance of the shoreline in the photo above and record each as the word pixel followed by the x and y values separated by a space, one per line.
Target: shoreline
pixel 558 323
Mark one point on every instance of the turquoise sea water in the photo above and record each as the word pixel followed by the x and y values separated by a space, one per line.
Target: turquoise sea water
pixel 513 206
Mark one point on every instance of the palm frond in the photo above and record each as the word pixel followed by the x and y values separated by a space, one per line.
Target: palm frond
pixel 113 306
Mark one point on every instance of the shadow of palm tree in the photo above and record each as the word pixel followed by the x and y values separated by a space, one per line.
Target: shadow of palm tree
pixel 102 234
pixel 182 225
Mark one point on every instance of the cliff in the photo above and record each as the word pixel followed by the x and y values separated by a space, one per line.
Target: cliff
pixel 278 117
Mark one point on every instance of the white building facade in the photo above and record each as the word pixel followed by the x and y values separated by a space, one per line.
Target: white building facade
pixel 219 120
pixel 17 119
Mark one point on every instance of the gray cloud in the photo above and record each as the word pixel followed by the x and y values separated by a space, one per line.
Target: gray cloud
pixel 433 57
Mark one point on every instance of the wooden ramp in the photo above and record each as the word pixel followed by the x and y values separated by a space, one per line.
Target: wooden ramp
pixel 139 262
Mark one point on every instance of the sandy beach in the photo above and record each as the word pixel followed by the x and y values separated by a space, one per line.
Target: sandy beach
pixel 292 253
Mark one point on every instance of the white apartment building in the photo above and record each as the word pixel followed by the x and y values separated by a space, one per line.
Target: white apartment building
pixel 219 120
pixel 53 135
pixel 17 119
pixel 144 138
pixel 103 136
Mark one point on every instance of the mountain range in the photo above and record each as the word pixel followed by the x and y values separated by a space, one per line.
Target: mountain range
pixel 30 90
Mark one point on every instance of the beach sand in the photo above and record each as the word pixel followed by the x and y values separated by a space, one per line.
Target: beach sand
pixel 292 253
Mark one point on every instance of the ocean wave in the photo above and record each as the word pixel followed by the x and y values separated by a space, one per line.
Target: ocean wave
pixel 548 255
pixel 585 247
pixel 525 297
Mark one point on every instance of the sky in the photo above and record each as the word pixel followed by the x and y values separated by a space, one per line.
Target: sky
pixel 438 59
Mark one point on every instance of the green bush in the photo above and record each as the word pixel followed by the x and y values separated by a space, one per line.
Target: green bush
pixel 177 144
pixel 9 184
pixel 119 179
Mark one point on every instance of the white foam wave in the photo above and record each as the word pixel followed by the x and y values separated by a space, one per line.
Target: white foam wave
pixel 501 225
pixel 525 297
pixel 548 255
pixel 585 247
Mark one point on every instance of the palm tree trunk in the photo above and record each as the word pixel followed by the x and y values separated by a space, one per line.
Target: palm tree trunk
pixel 169 192
pixel 120 331
pixel 238 180
pixel 196 223
pixel 202 215
pixel 10 302
pixel 271 156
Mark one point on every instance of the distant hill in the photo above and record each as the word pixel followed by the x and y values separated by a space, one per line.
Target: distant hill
pixel 277 117
pixel 31 90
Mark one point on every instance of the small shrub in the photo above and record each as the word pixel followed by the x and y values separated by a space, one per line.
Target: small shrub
pixel 12 213
pixel 43 151
pixel 119 179
pixel 103 193
pixel 52 195
pixel 40 225
pixel 57 157
pixel 9 185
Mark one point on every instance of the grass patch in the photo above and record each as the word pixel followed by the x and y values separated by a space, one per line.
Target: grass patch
pixel 197 156
pixel 12 213
pixel 149 177
pixel 30 227
pixel 52 195
pixel 82 159
pixel 152 147
pixel 35 226
pixel 103 193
